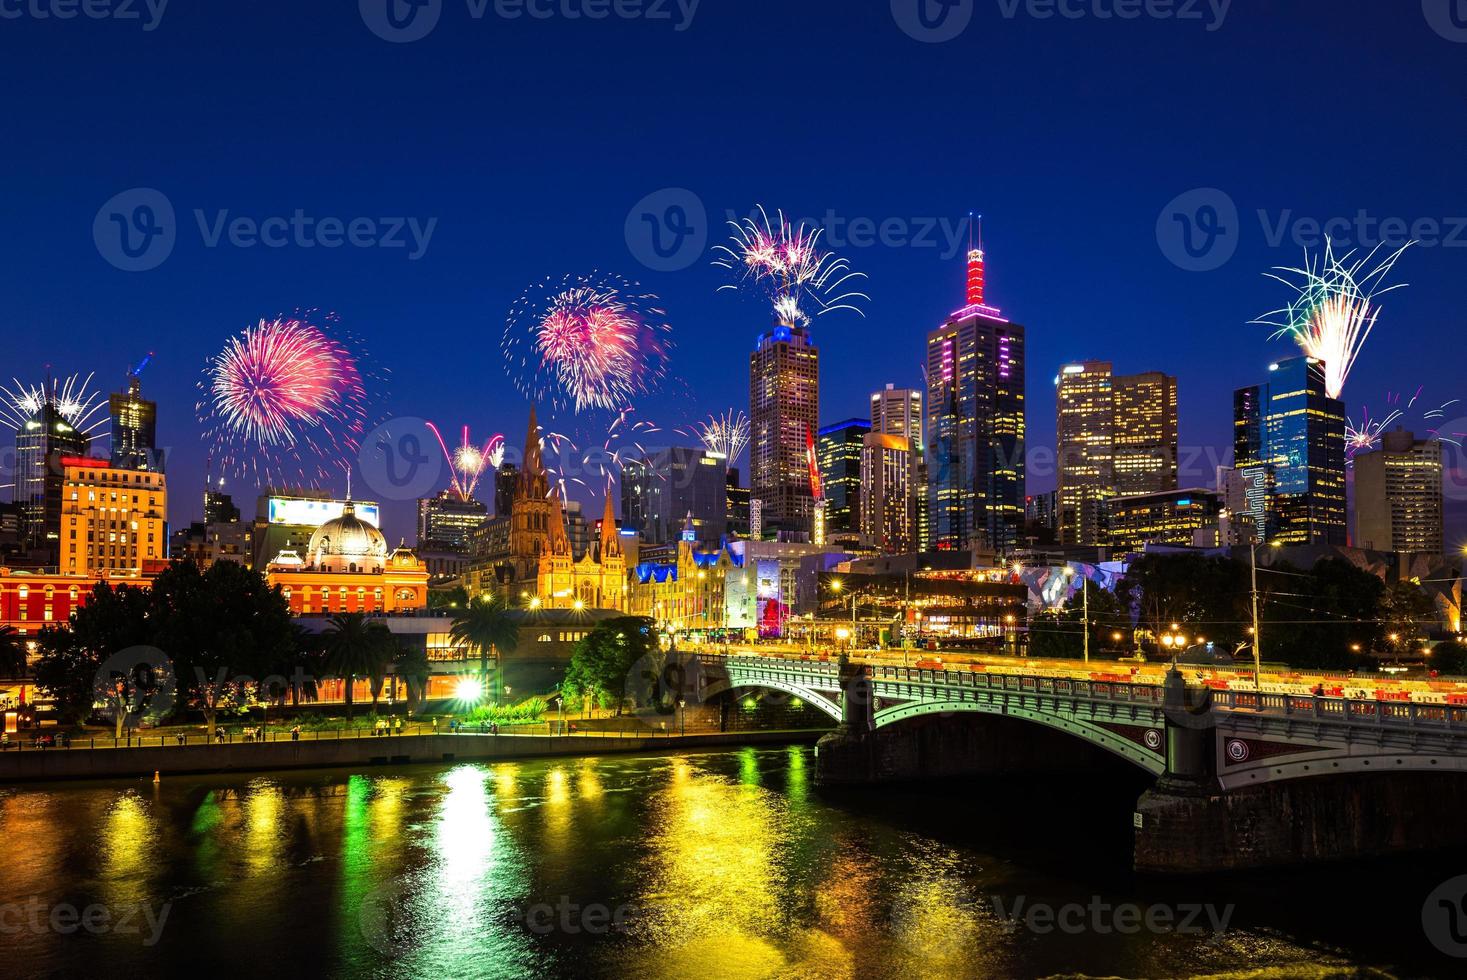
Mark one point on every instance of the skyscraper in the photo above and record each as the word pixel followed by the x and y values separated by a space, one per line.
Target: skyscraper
pixel 45 437
pixel 506 478
pixel 1117 436
pixel 888 507
pixel 116 519
pixel 975 424
pixel 1289 427
pixel 660 490
pixel 1398 496
pixel 448 521
pixel 838 450
pixel 784 409
pixel 898 412
pixel 738 505
pixel 134 429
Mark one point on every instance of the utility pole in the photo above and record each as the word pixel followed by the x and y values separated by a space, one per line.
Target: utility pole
pixel 1085 601
pixel 1257 636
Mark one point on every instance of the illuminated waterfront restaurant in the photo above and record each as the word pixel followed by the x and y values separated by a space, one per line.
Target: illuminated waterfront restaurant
pixel 954 606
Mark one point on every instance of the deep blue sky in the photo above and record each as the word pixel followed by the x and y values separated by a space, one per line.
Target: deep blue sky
pixel 531 140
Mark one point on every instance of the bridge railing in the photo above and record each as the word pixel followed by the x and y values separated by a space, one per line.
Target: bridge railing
pixel 1347 711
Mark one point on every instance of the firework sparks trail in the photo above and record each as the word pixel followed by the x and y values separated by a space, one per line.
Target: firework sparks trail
pixel 587 342
pixel 1365 435
pixel 467 463
pixel 726 435
pixel 73 397
pixel 786 263
pixel 284 398
pixel 1335 310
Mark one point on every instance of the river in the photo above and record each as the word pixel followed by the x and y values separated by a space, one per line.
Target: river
pixel 700 864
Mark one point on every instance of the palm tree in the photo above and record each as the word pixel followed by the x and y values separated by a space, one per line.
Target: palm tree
pixel 487 623
pixel 412 668
pixel 357 647
pixel 12 653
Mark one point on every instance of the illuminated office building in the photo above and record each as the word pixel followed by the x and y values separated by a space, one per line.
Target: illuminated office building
pixel 134 429
pixel 888 507
pixel 446 522
pixel 113 521
pixel 661 489
pixel 1291 431
pixel 838 450
pixel 1176 517
pixel 1117 435
pixel 1398 496
pixel 40 442
pixel 784 410
pixel 975 425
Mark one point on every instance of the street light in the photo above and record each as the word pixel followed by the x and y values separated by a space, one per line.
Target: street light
pixel 1257 632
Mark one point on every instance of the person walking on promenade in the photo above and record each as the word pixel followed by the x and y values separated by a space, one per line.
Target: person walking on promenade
pixel 295 734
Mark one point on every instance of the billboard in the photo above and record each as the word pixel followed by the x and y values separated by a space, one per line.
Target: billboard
pixel 313 513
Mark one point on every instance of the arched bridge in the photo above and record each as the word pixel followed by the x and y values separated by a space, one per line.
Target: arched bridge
pixel 1251 738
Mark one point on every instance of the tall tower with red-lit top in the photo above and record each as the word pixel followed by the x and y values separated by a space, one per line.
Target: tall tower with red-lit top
pixel 975 423
pixel 975 263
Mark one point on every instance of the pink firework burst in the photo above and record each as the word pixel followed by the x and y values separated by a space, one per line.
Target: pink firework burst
pixel 283 396
pixel 587 343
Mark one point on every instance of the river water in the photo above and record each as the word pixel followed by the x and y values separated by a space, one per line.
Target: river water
pixel 708 865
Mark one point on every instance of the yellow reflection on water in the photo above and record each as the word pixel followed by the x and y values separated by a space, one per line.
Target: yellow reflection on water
pixel 126 845
pixel 264 841
pixel 464 834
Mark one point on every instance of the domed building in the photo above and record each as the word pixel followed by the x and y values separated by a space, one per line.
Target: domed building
pixel 347 568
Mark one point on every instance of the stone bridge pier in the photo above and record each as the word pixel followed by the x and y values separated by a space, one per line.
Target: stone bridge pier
pixel 1242 779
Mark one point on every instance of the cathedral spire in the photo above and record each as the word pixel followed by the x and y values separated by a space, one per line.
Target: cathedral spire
pixel 559 537
pixel 610 544
pixel 533 481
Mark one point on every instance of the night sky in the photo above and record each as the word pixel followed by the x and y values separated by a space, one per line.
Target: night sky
pixel 530 141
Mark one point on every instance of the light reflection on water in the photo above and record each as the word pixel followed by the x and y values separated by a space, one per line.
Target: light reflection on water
pixel 725 864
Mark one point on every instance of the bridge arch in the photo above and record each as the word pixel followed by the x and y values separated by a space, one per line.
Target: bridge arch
pixel 813 698
pixel 1101 738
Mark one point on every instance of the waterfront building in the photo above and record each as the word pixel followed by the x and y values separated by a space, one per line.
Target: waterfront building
pixel 1291 435
pixel 285 520
pixel 701 589
pixel 784 410
pixel 975 425
pixel 1398 496
pixel 346 568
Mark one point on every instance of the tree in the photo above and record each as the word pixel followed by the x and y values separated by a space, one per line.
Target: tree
pixel 1206 596
pixel 65 671
pixel 12 653
pixel 444 599
pixel 1061 633
pixel 1449 657
pixel 603 661
pixel 1316 618
pixel 358 647
pixel 224 628
pixel 1409 614
pixel 72 660
pixel 487 623
pixel 412 666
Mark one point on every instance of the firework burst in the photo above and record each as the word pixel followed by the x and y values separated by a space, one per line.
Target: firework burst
pixel 1335 309
pixel 468 462
pixel 73 397
pixel 587 342
pixel 726 435
pixel 284 399
pixel 1365 435
pixel 786 263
